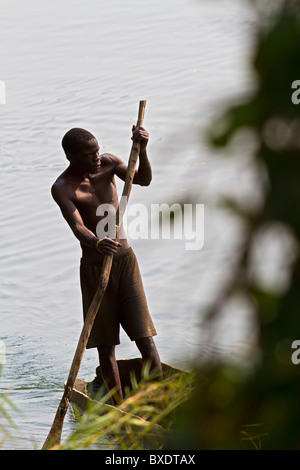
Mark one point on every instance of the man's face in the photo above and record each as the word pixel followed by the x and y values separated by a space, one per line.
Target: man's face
pixel 87 158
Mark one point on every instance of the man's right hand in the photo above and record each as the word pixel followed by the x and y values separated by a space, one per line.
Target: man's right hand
pixel 108 246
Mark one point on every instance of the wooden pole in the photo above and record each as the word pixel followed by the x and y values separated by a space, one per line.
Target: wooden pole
pixel 54 435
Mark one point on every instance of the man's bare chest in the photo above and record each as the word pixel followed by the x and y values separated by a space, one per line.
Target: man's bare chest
pixel 92 193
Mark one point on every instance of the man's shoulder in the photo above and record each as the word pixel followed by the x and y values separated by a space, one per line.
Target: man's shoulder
pixel 109 159
pixel 60 187
pixel 60 181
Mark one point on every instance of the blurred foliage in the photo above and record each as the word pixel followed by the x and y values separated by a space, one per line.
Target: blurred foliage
pixel 259 407
pixel 142 421
pixel 8 428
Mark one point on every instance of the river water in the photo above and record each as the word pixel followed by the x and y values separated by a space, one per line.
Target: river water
pixel 70 63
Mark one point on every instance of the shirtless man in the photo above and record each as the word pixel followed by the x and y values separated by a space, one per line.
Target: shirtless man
pixel 88 182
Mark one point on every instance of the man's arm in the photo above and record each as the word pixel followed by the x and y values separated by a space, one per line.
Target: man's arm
pixel 73 218
pixel 143 175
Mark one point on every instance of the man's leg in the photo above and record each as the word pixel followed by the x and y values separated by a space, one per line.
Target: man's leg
pixel 110 371
pixel 150 354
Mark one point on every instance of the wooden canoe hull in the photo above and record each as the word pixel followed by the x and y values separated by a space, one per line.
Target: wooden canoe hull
pixel 82 395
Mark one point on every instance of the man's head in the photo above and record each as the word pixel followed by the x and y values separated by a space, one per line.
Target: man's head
pixel 82 149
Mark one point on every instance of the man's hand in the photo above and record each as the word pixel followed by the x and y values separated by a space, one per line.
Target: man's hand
pixel 107 246
pixel 139 134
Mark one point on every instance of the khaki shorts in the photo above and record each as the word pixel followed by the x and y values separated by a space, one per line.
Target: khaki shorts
pixel 124 302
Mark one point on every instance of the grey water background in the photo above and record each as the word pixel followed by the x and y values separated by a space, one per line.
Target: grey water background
pixel 87 64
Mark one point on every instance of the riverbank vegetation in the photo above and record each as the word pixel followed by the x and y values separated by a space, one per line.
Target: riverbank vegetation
pixel 142 421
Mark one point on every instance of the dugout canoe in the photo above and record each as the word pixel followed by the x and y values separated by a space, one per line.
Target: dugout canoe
pixel 85 392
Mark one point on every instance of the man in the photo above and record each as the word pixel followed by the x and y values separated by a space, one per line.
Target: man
pixel 88 182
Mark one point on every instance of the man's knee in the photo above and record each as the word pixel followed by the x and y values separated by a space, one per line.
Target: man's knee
pixel 148 349
pixel 146 345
